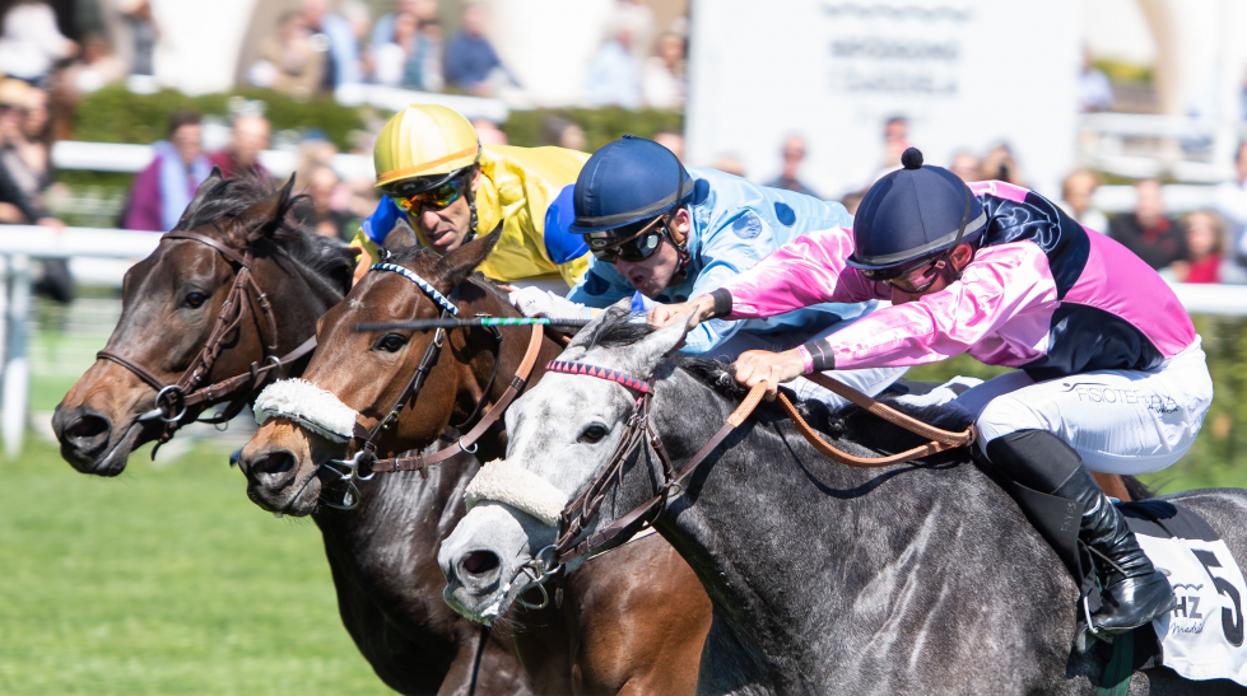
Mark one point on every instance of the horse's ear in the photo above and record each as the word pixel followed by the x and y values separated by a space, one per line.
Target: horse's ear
pixel 268 214
pixel 201 194
pixel 615 312
pixel 651 350
pixel 459 264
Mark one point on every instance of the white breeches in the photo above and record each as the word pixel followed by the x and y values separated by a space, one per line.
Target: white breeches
pixel 1120 421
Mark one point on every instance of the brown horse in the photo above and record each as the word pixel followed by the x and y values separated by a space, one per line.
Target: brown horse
pixel 634 625
pixel 200 312
pixel 171 303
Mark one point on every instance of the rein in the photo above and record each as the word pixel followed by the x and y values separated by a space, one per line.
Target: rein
pixel 579 512
pixel 172 401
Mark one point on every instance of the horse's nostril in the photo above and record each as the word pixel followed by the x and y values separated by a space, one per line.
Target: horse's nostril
pixel 275 462
pixel 87 427
pixel 480 562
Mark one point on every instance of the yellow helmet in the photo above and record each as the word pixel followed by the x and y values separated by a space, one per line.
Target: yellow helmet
pixel 424 140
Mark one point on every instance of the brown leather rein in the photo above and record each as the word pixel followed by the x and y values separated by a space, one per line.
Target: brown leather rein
pixel 172 401
pixel 578 513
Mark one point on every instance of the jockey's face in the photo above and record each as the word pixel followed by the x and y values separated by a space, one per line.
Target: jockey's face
pixel 652 275
pixel 961 257
pixel 445 229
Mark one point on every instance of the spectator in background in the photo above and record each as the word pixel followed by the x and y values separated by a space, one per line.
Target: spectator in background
pixel 730 163
pixel 290 62
pixel 965 165
pixel 1077 190
pixel 136 36
pixel 852 200
pixel 1000 164
pixel 21 182
pixel 614 73
pixel 640 20
pixel 895 141
pixel 1204 236
pixel 672 141
pixel 99 66
pixel 334 37
pixel 162 190
pixel 488 132
pixel 471 62
pixel 33 142
pixel 22 186
pixel 31 44
pixel 327 213
pixel 665 79
pixel 248 138
pixel 1095 92
pixel 384 29
pixel 412 59
pixel 1148 231
pixel 1231 203
pixel 793 154
pixel 560 132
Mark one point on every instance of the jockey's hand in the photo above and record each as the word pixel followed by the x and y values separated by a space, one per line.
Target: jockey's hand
pixel 692 313
pixel 535 302
pixel 757 366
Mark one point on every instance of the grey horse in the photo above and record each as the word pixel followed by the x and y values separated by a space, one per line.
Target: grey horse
pixel 824 578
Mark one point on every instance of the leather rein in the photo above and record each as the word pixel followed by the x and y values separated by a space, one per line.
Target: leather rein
pixel 579 512
pixel 363 462
pixel 172 401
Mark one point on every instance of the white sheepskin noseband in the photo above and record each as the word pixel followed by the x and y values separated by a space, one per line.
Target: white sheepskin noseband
pixel 510 484
pixel 308 405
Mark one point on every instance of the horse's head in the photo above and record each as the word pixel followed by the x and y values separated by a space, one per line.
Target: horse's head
pixel 562 433
pixel 171 301
pixel 357 379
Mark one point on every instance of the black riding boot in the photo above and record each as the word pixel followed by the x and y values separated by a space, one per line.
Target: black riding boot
pixel 1134 592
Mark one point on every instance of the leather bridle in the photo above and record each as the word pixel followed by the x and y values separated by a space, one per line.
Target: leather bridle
pixel 173 401
pixel 362 462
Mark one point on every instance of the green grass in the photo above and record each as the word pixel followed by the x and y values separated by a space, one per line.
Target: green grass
pixel 166 580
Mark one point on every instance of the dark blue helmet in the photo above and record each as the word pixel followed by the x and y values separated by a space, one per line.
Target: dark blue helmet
pixel 627 181
pixel 914 213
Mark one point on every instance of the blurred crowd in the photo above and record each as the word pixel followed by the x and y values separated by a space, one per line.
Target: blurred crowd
pixel 322 45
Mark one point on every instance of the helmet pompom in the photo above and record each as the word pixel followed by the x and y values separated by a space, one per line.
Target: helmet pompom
pixel 911 158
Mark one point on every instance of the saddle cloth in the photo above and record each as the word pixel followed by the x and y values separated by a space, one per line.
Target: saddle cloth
pixel 1202 638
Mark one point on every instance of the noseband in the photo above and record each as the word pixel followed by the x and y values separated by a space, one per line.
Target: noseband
pixel 172 401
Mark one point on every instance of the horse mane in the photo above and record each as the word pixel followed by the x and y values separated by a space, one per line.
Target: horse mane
pixel 229 199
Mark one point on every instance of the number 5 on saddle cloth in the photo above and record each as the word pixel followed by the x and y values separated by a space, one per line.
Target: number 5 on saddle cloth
pixel 1203 636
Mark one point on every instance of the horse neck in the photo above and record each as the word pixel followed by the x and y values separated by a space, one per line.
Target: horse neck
pixel 786 542
pixel 298 294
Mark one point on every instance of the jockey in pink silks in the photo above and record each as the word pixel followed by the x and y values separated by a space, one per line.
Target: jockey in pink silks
pixel 1110 377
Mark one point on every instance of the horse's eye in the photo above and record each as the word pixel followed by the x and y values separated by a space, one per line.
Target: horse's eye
pixel 593 433
pixel 194 299
pixel 390 343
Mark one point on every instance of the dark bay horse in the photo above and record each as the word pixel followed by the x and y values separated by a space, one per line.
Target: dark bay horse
pixel 633 627
pixel 171 303
pixel 824 578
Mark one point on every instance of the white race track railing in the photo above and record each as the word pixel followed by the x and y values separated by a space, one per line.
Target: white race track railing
pixel 21 243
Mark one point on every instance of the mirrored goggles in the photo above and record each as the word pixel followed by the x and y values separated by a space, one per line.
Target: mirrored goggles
pixel 435 198
pixel 636 246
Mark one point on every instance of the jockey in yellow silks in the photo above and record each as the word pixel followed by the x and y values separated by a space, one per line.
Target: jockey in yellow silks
pixel 433 172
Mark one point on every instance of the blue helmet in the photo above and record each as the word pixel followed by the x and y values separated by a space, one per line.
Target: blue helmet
pixel 627 181
pixel 914 213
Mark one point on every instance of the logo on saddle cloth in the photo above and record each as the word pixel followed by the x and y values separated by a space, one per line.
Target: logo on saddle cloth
pixel 1202 638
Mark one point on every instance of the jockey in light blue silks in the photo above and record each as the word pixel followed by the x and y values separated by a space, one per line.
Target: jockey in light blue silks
pixel 668 233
